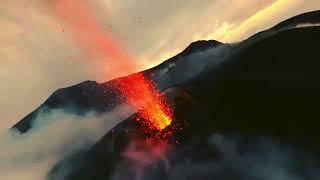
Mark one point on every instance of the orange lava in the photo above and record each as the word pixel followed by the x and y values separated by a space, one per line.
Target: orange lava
pixel 139 91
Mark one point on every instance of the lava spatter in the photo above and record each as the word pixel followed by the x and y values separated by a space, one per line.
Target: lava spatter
pixel 142 94
pixel 138 90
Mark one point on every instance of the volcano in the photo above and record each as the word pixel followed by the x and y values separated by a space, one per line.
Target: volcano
pixel 231 103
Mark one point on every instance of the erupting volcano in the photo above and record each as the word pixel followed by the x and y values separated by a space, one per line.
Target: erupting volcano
pixel 247 110
pixel 139 91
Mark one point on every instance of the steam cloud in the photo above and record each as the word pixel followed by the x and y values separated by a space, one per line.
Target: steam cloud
pixel 54 136
pixel 262 158
pixel 190 66
pixel 236 158
pixel 308 25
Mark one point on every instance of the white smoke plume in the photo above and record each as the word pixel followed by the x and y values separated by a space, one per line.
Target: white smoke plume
pixel 188 67
pixel 140 157
pixel 307 25
pixel 236 157
pixel 54 136
pixel 262 158
pixel 273 31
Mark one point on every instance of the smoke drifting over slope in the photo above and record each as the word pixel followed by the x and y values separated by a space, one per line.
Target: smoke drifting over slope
pixel 54 136
pixel 308 25
pixel 187 67
pixel 35 45
pixel 57 134
pixel 236 157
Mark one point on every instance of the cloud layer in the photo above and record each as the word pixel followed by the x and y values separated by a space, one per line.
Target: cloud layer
pixel 54 136
pixel 226 157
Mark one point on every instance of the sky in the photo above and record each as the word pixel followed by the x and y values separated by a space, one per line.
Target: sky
pixel 38 53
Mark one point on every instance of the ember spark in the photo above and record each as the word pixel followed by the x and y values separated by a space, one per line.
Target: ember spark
pixel 139 91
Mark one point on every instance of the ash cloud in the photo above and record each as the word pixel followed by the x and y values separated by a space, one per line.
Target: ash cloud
pixel 262 158
pixel 308 25
pixel 190 66
pixel 142 159
pixel 234 157
pixel 54 135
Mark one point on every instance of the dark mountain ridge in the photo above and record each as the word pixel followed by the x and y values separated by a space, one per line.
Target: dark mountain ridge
pixel 305 18
pixel 265 86
pixel 264 90
pixel 102 97
pixel 308 19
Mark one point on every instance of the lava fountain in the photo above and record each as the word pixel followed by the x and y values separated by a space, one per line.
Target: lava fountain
pixel 142 94
pixel 139 91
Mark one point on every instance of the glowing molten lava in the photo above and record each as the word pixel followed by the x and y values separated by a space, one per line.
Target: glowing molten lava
pixel 139 91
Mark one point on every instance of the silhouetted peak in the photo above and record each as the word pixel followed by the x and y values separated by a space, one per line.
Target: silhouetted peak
pixel 305 18
pixel 200 46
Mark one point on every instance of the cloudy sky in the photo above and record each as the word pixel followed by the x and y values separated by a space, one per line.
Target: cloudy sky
pixel 38 53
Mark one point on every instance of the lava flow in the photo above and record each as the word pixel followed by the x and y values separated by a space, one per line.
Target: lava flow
pixel 139 91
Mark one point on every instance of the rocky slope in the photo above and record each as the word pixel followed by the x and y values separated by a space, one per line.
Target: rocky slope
pixel 247 111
